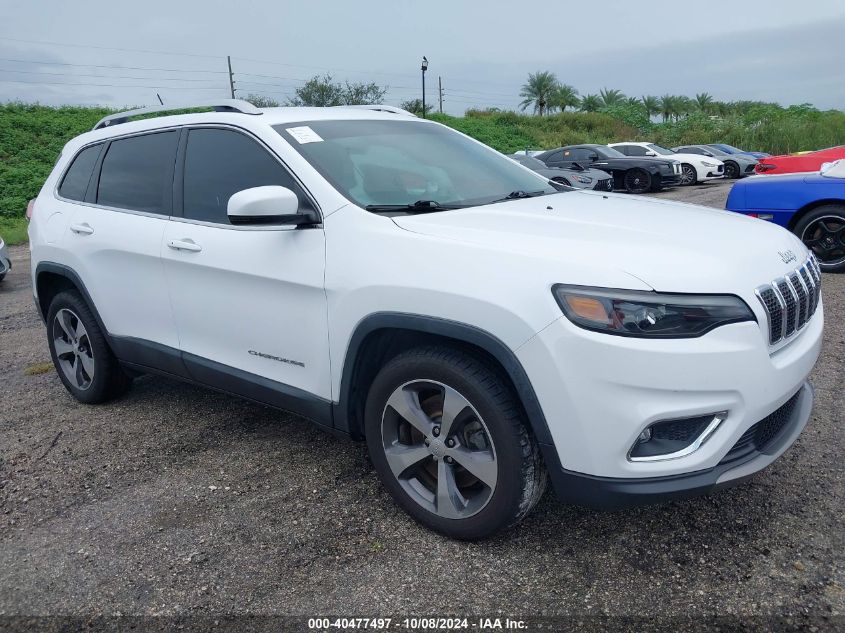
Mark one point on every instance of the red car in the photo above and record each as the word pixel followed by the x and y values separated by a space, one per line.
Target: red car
pixel 792 163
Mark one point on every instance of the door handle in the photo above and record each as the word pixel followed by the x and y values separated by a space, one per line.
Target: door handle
pixel 185 245
pixel 82 229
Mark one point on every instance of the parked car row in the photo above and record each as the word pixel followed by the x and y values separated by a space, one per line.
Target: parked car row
pixel 640 167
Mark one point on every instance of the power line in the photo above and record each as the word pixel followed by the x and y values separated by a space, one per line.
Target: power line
pixel 166 70
pixel 54 83
pixel 35 72
pixel 109 48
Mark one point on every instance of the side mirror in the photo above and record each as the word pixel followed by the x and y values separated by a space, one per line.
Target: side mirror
pixel 651 153
pixel 268 205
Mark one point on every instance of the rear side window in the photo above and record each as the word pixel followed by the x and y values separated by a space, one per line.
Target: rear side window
pixel 137 173
pixel 218 164
pixel 75 182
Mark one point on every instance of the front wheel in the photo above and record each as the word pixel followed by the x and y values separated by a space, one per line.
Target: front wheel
pixel 448 439
pixel 637 181
pixel 688 175
pixel 731 170
pixel 823 231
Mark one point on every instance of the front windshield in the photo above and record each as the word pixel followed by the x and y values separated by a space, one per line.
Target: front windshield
pixel 728 149
pixel 660 150
pixel 715 151
pixel 609 152
pixel 403 162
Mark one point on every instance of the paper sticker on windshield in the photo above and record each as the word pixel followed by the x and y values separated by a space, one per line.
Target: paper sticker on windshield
pixel 304 134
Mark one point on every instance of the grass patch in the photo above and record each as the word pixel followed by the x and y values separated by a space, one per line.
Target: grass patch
pixel 38 369
pixel 13 230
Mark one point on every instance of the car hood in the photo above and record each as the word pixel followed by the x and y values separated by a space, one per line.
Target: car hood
pixel 671 247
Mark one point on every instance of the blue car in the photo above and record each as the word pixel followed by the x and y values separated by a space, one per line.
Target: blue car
pixel 730 149
pixel 810 205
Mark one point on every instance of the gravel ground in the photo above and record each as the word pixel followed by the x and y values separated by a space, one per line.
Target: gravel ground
pixel 179 501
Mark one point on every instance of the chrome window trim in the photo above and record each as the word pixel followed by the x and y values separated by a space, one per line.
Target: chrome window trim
pixel 708 431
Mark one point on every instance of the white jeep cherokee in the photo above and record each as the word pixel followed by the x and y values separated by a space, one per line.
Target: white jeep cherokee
pixel 401 283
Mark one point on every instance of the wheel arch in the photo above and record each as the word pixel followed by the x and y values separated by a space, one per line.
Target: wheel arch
pixel 815 204
pixel 380 337
pixel 51 279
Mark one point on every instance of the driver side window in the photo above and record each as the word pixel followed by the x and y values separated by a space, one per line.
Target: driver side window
pixel 220 163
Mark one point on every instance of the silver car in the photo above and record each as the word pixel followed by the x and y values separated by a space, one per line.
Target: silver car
pixel 586 178
pixel 736 165
pixel 5 261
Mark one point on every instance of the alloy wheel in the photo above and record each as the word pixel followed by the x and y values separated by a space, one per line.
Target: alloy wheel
pixel 637 181
pixel 825 236
pixel 688 175
pixel 439 449
pixel 73 349
pixel 731 170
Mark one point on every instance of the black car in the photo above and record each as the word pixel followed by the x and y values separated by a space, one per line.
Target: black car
pixel 634 174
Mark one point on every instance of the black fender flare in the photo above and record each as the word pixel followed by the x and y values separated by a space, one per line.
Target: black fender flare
pixel 462 332
pixel 71 275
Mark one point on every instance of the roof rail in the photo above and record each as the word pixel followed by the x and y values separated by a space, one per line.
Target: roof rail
pixel 219 105
pixel 381 108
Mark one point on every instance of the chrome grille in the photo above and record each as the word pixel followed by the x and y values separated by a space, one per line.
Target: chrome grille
pixel 791 301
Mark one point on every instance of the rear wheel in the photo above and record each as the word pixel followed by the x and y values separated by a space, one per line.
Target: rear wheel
pixel 448 439
pixel 823 231
pixel 731 169
pixel 85 363
pixel 637 181
pixel 688 174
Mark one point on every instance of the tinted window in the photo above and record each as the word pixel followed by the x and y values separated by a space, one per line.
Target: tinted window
pixel 137 173
pixel 633 150
pixel 76 179
pixel 580 154
pixel 218 164
pixel 690 150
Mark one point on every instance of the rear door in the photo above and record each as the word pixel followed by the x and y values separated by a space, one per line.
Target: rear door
pixel 249 300
pixel 114 237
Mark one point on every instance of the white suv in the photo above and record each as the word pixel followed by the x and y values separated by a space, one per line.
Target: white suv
pixel 401 283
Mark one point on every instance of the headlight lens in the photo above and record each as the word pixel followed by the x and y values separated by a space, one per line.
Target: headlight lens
pixel 648 314
pixel 706 164
pixel 583 180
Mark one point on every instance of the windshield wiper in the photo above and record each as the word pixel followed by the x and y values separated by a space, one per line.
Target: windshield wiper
pixel 420 206
pixel 515 195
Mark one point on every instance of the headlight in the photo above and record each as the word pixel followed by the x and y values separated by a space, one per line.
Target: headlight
pixel 583 180
pixel 706 164
pixel 648 314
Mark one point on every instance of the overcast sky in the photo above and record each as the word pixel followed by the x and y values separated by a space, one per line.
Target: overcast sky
pixel 66 52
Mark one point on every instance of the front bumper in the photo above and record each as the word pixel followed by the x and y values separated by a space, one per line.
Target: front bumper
pixel 599 392
pixel 609 493
pixel 670 180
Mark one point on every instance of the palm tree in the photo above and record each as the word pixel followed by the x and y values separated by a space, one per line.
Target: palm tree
pixel 704 102
pixel 611 97
pixel 538 91
pixel 651 105
pixel 564 97
pixel 668 107
pixel 590 103
pixel 684 105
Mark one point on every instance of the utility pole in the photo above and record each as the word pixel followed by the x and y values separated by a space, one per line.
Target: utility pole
pixel 440 89
pixel 424 68
pixel 231 77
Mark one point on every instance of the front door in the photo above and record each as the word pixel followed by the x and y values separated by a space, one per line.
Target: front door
pixel 249 301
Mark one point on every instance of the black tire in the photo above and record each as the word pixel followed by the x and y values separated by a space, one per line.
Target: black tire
pixel 520 473
pixel 109 380
pixel 823 231
pixel 689 176
pixel 637 181
pixel 732 170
